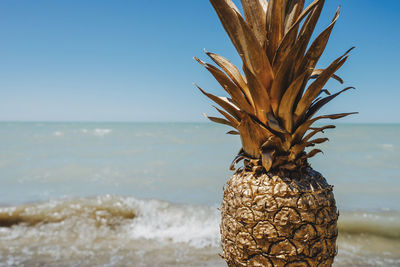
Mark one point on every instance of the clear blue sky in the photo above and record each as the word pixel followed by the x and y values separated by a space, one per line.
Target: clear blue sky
pixel 102 60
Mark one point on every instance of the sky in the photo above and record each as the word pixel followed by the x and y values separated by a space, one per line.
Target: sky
pixel 101 60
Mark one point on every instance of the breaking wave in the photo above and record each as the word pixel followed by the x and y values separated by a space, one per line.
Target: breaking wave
pixel 143 219
pixel 151 232
pixel 96 132
pixel 383 223
pixel 161 220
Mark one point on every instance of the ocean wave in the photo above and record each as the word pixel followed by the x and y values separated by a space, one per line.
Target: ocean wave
pixel 96 132
pixel 106 209
pixel 389 147
pixel 381 223
pixel 101 132
pixel 196 226
pixel 161 220
pixel 120 230
pixel 58 133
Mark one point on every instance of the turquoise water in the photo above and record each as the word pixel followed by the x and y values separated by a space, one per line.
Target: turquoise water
pixel 179 162
pixel 73 185
pixel 184 163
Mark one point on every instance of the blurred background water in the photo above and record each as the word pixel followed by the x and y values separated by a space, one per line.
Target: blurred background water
pixel 155 189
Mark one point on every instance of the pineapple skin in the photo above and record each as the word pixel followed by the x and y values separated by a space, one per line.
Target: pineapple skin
pixel 272 220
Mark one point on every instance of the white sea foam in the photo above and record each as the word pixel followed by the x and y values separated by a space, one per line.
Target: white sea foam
pixel 388 146
pixel 101 132
pixel 154 220
pixel 115 231
pixel 58 133
pixel 96 132
pixel 196 226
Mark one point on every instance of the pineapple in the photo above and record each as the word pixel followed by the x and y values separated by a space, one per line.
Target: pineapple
pixel 276 210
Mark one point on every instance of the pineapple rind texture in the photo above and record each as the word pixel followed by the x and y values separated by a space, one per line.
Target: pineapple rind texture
pixel 268 220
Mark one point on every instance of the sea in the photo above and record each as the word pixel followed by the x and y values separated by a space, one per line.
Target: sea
pixel 147 194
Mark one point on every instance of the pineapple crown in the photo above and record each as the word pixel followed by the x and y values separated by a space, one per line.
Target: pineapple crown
pixel 271 106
